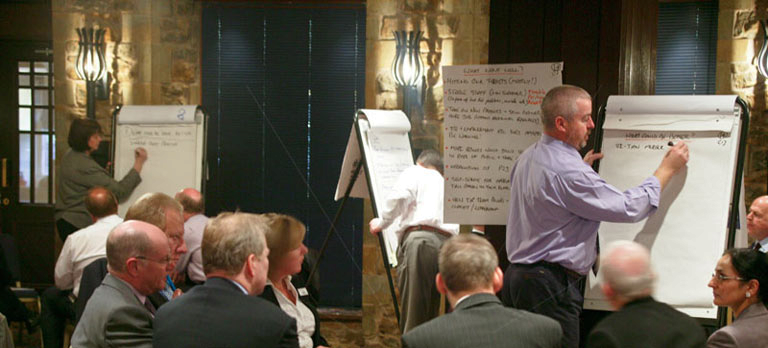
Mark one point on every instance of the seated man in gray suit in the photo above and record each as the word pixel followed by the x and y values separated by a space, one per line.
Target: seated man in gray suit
pixel 224 311
pixel 119 314
pixel 640 321
pixel 165 213
pixel 469 277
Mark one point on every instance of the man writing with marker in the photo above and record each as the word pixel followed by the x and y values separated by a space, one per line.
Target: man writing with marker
pixel 557 202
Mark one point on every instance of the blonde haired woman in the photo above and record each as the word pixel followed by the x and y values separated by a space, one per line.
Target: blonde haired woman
pixel 286 253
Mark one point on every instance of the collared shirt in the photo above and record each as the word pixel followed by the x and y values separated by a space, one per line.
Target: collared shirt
pixel 462 299
pixel 192 260
pixel 764 245
pixel 557 202
pixel 167 291
pixel 416 199
pixel 305 320
pixel 239 286
pixel 80 249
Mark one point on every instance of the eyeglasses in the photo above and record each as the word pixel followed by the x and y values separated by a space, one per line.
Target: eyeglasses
pixel 721 278
pixel 163 261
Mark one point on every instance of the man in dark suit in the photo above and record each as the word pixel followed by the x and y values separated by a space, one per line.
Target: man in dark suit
pixel 469 277
pixel 223 312
pixel 640 321
pixel 119 314
pixel 757 223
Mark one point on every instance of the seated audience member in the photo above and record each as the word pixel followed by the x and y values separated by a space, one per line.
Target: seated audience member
pixel 286 254
pixel 10 305
pixel 224 311
pixel 119 313
pixel 757 223
pixel 191 263
pixel 639 320
pixel 469 276
pixel 80 249
pixel 165 213
pixel 740 282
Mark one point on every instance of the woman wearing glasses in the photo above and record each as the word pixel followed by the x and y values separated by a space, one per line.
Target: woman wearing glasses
pixel 740 282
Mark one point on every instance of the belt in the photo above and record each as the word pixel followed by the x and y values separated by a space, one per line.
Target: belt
pixel 551 265
pixel 428 228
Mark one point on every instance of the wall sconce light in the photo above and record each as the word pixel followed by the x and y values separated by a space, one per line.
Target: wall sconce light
pixel 408 71
pixel 91 65
pixel 762 56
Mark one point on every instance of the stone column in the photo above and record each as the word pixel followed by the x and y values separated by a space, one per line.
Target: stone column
pixel 455 33
pixel 152 50
pixel 739 39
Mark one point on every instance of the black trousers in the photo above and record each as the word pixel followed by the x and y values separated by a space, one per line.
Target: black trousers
pixel 57 308
pixel 547 289
pixel 11 306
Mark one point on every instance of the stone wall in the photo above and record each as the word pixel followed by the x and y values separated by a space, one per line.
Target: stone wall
pixel 455 33
pixel 739 40
pixel 152 49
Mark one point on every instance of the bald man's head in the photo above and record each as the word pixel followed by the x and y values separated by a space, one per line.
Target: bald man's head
pixel 100 202
pixel 191 200
pixel 757 219
pixel 139 254
pixel 626 271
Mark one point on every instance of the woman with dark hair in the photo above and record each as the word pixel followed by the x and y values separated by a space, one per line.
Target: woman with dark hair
pixel 79 172
pixel 286 253
pixel 740 282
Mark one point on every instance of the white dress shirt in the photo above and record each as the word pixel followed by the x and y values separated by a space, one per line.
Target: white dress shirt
pixel 764 245
pixel 416 199
pixel 305 320
pixel 80 249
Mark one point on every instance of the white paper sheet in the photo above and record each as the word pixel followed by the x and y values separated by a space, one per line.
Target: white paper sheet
pixel 491 117
pixel 687 233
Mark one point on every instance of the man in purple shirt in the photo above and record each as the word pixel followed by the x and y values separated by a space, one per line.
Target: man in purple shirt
pixel 557 202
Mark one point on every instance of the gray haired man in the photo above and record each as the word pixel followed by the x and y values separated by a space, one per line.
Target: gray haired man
pixel 640 321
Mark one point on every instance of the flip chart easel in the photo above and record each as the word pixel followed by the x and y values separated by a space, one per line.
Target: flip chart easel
pixel 378 142
pixel 699 209
pixel 174 137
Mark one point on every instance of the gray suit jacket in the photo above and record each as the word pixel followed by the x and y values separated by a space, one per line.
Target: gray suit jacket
pixel 482 321
pixel 113 317
pixel 77 174
pixel 749 330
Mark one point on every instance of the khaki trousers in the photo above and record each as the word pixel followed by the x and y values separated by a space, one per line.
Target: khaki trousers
pixel 416 271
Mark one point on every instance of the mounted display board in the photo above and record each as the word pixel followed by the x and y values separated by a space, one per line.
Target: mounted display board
pixel 174 137
pixel 491 117
pixel 688 232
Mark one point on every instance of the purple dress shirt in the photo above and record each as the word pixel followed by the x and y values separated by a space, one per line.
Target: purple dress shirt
pixel 557 202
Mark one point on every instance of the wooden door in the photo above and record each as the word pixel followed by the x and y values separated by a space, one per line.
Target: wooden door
pixel 27 150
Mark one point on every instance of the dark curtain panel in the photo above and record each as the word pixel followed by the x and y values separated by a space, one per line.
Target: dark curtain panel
pixel 687 44
pixel 304 66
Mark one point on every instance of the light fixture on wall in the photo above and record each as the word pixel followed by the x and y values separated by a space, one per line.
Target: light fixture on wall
pixel 762 56
pixel 408 71
pixel 91 65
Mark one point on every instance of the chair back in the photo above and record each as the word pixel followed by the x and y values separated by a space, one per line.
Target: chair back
pixel 93 274
pixel 10 256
